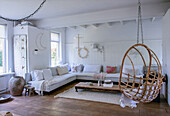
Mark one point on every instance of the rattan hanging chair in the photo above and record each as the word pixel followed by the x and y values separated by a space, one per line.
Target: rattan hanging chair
pixel 144 88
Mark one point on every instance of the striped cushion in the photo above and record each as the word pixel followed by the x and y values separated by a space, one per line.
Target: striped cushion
pixel 62 70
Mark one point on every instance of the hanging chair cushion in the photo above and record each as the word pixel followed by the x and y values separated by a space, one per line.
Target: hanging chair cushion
pixel 140 93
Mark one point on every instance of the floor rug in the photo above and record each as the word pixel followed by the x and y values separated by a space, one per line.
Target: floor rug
pixel 97 96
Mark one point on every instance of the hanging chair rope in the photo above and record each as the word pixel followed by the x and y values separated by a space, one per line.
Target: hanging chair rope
pixel 139 26
pixel 27 17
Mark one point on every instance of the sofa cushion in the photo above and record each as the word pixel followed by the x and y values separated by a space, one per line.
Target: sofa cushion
pixel 111 69
pixel 47 74
pixel 79 67
pixel 38 75
pixel 113 75
pixel 67 65
pixel 92 69
pixel 84 74
pixel 118 67
pixel 128 69
pixel 62 70
pixel 73 68
pixel 32 76
pixel 54 71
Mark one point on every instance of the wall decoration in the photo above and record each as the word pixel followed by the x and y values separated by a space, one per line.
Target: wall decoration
pixel 97 47
pixel 83 52
pixel 39 43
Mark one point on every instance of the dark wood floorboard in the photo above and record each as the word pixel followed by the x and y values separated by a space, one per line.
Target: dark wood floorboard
pixel 48 106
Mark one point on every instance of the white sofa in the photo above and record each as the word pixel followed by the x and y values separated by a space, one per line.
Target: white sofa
pixel 58 81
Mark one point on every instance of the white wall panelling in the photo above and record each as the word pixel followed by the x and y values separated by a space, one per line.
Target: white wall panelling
pixel 166 48
pixel 116 39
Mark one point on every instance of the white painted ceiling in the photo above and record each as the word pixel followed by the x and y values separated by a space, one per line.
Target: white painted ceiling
pixel 58 8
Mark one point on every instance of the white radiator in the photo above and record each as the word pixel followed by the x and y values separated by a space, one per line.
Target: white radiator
pixel 3 83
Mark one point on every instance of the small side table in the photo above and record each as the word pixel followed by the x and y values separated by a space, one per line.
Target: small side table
pixel 29 90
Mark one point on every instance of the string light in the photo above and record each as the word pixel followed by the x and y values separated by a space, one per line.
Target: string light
pixel 27 17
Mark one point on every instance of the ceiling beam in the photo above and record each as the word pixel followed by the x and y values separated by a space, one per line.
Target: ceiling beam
pixel 121 22
pixel 96 25
pixel 110 23
pixel 73 27
pixel 148 11
pixel 84 26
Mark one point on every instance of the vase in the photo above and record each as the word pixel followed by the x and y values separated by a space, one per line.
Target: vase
pixel 16 85
pixel 99 82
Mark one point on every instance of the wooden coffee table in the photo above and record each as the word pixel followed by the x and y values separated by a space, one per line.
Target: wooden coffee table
pixel 95 87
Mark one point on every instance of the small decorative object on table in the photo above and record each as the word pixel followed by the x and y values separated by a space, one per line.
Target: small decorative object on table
pixel 5 98
pixel 8 114
pixel 100 77
pixel 108 83
pixel 16 85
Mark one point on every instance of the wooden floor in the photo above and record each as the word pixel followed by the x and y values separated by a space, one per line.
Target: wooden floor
pixel 48 106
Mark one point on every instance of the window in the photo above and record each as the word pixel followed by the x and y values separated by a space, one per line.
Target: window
pixel 55 49
pixel 2 48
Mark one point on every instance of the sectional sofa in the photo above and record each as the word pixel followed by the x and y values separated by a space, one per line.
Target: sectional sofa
pixel 60 80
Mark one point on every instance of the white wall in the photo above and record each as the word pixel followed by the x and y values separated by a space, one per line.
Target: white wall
pixel 116 39
pixel 41 60
pixel 166 48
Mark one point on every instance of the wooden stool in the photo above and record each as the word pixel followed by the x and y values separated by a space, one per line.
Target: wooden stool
pixel 29 90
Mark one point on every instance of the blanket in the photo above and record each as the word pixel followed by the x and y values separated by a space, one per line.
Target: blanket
pixel 38 85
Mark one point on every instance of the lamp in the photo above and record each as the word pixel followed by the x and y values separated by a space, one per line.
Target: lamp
pixel 35 51
pixel 97 47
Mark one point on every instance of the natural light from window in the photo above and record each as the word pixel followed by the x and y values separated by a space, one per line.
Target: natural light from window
pixel 55 49
pixel 2 48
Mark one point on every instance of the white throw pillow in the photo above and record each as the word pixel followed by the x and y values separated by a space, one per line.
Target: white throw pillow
pixel 38 75
pixel 47 74
pixel 62 70
pixel 73 68
pixel 92 68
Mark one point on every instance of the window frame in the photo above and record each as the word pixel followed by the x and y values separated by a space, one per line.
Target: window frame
pixel 4 57
pixel 59 46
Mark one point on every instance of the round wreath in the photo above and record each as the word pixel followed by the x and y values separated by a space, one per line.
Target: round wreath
pixel 87 52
